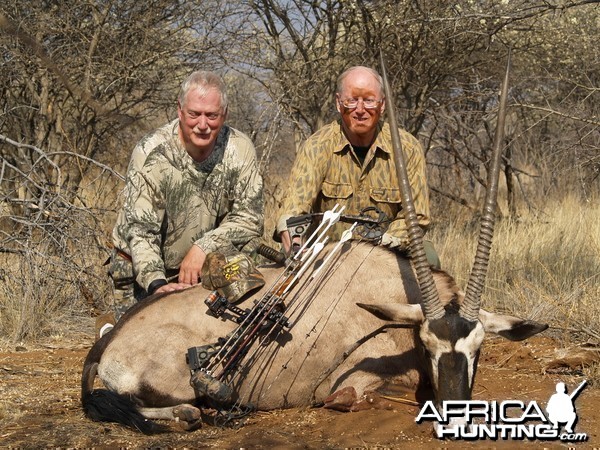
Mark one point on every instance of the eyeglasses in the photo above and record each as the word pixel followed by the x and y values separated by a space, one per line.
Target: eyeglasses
pixel 352 103
pixel 211 116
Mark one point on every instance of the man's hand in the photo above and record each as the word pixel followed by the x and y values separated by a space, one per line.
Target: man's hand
pixel 172 287
pixel 191 266
pixel 286 242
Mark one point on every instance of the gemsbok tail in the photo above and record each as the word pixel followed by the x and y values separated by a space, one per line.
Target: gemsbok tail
pixel 102 405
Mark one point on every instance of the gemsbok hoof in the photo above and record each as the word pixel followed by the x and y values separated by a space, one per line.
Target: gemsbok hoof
pixel 341 400
pixel 188 417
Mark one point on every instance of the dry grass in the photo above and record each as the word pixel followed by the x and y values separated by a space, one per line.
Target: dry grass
pixel 55 281
pixel 40 298
pixel 546 270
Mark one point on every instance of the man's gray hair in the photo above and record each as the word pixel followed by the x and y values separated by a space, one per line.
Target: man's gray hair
pixel 344 75
pixel 203 81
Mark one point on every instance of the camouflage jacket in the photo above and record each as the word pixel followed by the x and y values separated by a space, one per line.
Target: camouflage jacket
pixel 326 171
pixel 173 202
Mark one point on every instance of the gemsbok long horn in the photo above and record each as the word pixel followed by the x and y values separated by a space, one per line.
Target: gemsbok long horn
pixel 469 310
pixel 432 307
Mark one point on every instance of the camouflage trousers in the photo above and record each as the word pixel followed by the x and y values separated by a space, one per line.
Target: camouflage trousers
pixel 432 257
pixel 126 292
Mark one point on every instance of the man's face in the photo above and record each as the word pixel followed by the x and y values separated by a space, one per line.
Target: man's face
pixel 200 119
pixel 359 122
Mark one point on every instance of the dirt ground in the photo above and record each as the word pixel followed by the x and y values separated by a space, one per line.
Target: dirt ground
pixel 40 407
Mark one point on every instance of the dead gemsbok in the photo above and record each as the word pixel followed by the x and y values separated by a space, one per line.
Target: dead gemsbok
pixel 414 326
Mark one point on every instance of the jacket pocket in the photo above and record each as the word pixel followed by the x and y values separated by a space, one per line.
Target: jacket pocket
pixel 336 190
pixel 385 195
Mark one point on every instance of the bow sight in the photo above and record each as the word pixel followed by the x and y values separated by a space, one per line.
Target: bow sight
pixel 217 305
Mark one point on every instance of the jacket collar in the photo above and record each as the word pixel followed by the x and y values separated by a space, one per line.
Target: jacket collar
pixel 383 135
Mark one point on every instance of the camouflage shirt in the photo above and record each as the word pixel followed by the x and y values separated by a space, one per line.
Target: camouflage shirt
pixel 327 171
pixel 173 202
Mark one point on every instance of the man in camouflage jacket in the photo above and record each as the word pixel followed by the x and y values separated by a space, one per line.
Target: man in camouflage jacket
pixel 192 187
pixel 350 162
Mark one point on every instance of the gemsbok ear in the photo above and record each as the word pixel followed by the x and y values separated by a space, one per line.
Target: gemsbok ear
pixel 404 314
pixel 510 327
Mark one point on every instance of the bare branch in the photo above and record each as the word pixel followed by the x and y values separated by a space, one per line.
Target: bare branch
pixel 552 111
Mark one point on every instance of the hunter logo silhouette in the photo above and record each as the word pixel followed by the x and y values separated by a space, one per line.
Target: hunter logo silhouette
pixel 561 407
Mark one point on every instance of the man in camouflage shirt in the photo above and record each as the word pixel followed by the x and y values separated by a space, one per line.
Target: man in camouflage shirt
pixel 350 162
pixel 192 187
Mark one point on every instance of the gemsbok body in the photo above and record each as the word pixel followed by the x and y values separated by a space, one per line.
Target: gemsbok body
pixel 142 360
pixel 373 317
